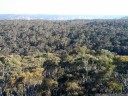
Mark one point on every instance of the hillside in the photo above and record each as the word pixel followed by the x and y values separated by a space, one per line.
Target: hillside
pixel 25 37
pixel 125 17
pixel 63 57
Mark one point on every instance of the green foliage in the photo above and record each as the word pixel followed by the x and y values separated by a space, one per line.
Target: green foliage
pixel 34 37
pixel 63 58
pixel 115 86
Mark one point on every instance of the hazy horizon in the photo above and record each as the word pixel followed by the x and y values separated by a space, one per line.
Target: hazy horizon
pixel 57 17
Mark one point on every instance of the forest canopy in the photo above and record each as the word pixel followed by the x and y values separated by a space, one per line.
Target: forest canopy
pixel 27 36
pixel 63 58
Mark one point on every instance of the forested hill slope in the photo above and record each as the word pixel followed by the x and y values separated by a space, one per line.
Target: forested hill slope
pixel 125 17
pixel 27 37
pixel 63 58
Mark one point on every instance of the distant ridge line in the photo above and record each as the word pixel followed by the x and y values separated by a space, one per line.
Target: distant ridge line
pixel 56 17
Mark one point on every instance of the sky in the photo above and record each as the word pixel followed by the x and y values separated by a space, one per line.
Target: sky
pixel 65 7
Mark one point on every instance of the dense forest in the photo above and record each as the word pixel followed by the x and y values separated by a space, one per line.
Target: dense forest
pixel 63 58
